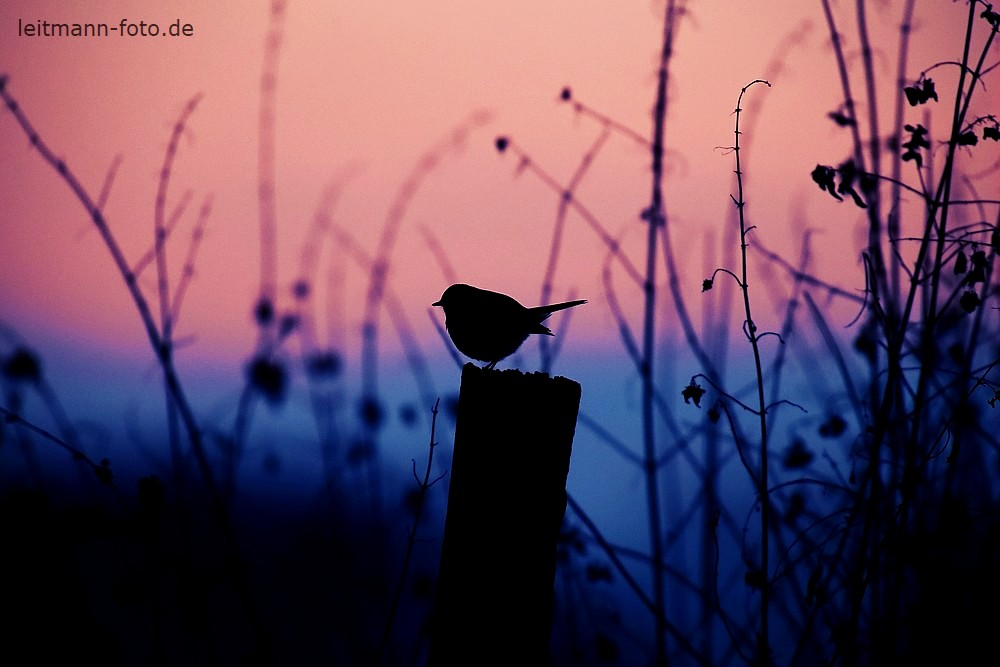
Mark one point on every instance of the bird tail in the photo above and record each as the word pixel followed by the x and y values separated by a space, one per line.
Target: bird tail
pixel 545 311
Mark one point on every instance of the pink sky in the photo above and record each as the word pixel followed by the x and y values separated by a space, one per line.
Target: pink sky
pixel 368 87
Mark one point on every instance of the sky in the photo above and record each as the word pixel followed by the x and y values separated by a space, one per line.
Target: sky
pixel 365 92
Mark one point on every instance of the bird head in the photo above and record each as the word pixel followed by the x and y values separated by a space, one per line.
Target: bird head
pixel 454 295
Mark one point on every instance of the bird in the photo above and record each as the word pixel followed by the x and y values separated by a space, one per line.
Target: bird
pixel 490 326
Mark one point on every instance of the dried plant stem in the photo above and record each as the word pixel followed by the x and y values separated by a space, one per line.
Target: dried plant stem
pixel 109 180
pixel 101 470
pixel 163 283
pixel 396 312
pixel 187 272
pixel 845 83
pixel 378 271
pixel 423 485
pixel 874 143
pixel 605 120
pixel 586 161
pixel 612 553
pixel 266 166
pixel 132 285
pixel 322 396
pixel 171 223
pixel 895 201
pixel 655 217
pixel 752 333
pixel 378 266
pixel 526 163
pixel 172 379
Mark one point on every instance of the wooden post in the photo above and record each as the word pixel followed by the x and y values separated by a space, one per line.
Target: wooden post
pixel 506 501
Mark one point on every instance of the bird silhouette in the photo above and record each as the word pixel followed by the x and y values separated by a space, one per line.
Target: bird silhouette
pixel 489 326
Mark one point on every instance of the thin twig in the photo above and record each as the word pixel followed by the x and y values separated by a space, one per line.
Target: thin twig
pixel 423 485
